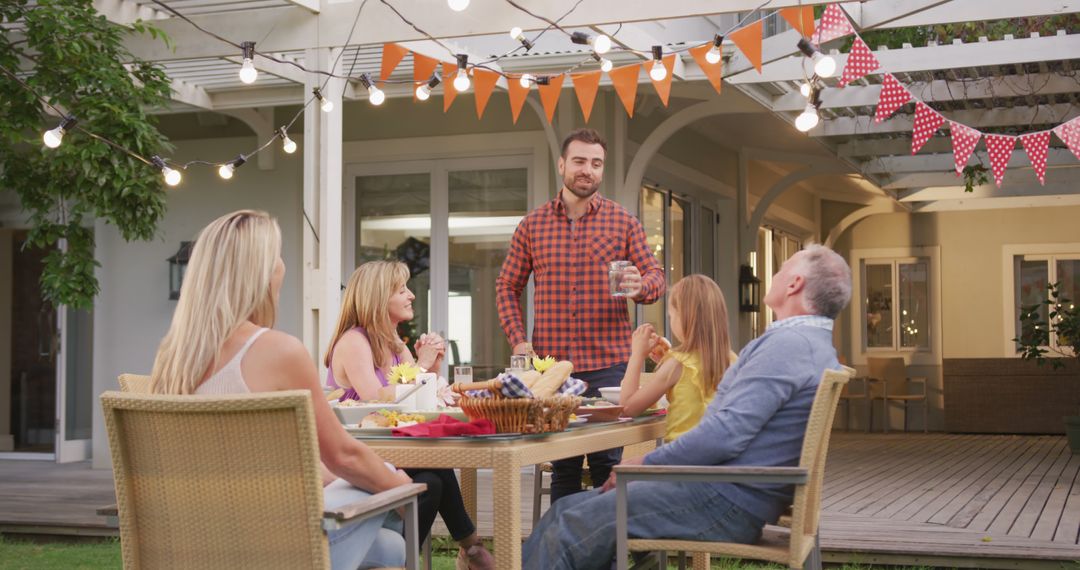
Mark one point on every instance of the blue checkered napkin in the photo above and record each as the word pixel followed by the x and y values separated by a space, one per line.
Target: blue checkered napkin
pixel 478 393
pixel 573 387
pixel 513 387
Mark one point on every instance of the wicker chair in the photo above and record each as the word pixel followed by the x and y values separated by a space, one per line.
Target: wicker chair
pixel 798 547
pixel 228 482
pixel 889 382
pixel 134 383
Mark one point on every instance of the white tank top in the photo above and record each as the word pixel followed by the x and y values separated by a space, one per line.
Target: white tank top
pixel 229 380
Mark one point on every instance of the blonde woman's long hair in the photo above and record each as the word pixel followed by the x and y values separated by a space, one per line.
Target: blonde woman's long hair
pixel 227 282
pixel 704 317
pixel 366 303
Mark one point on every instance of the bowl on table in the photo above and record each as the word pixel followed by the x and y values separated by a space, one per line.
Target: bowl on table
pixel 599 412
pixel 353 413
pixel 611 394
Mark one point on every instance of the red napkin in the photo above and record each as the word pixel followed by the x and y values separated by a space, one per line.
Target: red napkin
pixel 446 426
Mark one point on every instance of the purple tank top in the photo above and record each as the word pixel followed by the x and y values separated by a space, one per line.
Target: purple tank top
pixel 350 393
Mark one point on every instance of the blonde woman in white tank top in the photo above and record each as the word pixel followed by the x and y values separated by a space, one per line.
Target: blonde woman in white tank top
pixel 220 342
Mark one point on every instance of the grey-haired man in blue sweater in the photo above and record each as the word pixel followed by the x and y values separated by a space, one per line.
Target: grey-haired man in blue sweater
pixel 758 417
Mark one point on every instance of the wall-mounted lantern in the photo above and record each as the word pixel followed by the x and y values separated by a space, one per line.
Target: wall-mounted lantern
pixel 749 290
pixel 177 266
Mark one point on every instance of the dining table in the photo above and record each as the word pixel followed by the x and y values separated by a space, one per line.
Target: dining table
pixel 506 455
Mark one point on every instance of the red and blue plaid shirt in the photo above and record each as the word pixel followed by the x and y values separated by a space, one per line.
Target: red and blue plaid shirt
pixel 576 318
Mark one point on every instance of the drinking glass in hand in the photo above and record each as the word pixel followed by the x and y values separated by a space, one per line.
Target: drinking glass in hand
pixel 616 271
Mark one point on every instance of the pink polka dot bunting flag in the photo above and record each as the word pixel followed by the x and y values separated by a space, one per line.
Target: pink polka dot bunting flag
pixel 1069 133
pixel 893 96
pixel 1035 145
pixel 1000 147
pixel 834 24
pixel 860 61
pixel 927 121
pixel 964 139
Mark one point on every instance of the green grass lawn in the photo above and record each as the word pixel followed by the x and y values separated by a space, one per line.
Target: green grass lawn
pixel 19 555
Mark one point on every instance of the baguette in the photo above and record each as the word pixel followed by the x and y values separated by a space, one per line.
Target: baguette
pixel 528 377
pixel 552 379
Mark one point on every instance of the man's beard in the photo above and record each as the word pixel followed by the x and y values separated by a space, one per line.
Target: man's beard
pixel 570 184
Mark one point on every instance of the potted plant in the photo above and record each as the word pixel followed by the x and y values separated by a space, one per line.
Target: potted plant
pixel 1061 324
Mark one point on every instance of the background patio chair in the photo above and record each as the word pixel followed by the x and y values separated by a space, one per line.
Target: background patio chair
pixel 889 382
pixel 134 383
pixel 798 547
pixel 228 482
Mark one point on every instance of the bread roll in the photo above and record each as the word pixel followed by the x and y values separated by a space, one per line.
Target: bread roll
pixel 553 379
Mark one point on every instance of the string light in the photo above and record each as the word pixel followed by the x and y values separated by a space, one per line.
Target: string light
pixel 805 89
pixel 287 144
pixel 526 80
pixel 324 103
pixel 713 55
pixel 226 170
pixel 424 91
pixel 824 65
pixel 518 35
pixel 809 118
pixel 601 44
pixel 605 63
pixel 248 73
pixel 375 95
pixel 458 5
pixel 658 71
pixel 54 137
pixel 172 177
pixel 461 81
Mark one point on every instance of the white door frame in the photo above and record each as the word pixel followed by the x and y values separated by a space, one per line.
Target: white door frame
pixel 65 450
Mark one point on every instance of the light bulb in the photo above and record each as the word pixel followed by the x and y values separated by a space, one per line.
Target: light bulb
pixel 54 137
pixel 423 92
pixel 248 73
pixel 327 105
pixel 515 33
pixel 601 44
pixel 808 119
pixel 226 170
pixel 288 145
pixel 605 64
pixel 458 5
pixel 526 80
pixel 805 90
pixel 713 55
pixel 461 82
pixel 376 95
pixel 172 177
pixel 658 71
pixel 824 65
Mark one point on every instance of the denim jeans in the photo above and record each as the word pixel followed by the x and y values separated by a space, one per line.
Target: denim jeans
pixel 566 473
pixel 580 534
pixel 374 543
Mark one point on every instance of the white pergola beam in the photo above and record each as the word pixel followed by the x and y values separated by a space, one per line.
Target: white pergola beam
pixel 255 96
pixel 282 70
pixel 944 162
pixel 125 12
pixel 1058 185
pixel 1005 203
pixel 633 36
pixel 975 10
pixel 897 146
pixel 976 118
pixel 935 57
pixel 884 12
pixel 193 95
pixel 309 5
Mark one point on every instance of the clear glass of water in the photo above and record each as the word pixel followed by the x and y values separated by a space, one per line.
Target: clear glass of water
pixel 462 374
pixel 615 277
pixel 519 362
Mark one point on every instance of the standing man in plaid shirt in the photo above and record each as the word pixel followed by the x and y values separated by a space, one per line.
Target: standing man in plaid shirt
pixel 566 245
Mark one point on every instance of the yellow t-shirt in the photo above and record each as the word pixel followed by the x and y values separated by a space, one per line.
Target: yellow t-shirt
pixel 689 397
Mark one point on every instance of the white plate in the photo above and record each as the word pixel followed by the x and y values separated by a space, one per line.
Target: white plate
pixel 578 422
pixel 355 414
pixel 353 428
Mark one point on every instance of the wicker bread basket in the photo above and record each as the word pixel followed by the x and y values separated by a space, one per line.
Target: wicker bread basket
pixel 516 415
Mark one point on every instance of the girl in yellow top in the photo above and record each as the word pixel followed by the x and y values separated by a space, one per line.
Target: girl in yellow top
pixel 690 373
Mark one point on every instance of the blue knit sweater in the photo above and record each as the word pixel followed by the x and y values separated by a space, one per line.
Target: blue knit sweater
pixel 759 414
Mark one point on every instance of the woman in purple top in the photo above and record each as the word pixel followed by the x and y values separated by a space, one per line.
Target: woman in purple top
pixel 364 347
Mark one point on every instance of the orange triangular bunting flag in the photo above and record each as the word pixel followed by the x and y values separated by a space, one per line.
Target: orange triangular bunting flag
pixel 483 83
pixel 585 86
pixel 800 18
pixel 449 70
pixel 422 68
pixel 713 71
pixel 625 80
pixel 392 54
pixel 749 41
pixel 549 94
pixel 663 88
pixel 517 96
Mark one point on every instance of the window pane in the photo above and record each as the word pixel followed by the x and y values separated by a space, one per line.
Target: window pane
pixel 485 208
pixel 652 217
pixel 914 305
pixel 680 239
pixel 393 214
pixel 708 243
pixel 1068 279
pixel 1030 290
pixel 878 315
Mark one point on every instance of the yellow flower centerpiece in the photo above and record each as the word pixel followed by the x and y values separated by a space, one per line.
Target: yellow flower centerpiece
pixel 542 364
pixel 404 373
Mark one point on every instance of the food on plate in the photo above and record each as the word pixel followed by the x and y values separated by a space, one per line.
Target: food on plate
pixel 390 419
pixel 599 404
pixel 552 380
pixel 661 349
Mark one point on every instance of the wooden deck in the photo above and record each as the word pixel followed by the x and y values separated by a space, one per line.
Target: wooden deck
pixel 963 501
